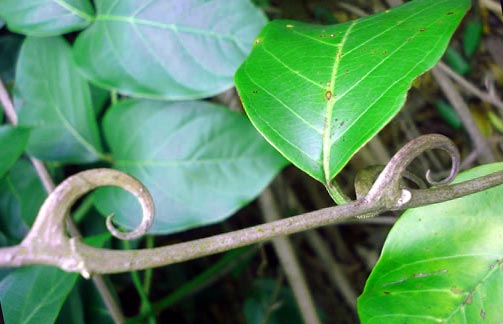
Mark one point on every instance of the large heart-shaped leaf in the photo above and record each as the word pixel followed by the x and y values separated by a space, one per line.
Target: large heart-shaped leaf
pixel 201 162
pixel 442 263
pixel 46 17
pixel 55 101
pixel 168 49
pixel 319 93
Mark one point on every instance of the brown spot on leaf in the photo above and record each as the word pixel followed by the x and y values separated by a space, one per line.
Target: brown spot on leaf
pixel 387 292
pixel 482 314
pixel 409 39
pixel 255 91
pixel 289 26
pixel 457 291
pixel 468 300
pixel 450 13
pixel 422 30
pixel 257 41
pixel 384 52
pixel 328 95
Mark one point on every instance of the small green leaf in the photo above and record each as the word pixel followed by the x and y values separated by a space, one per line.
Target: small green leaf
pixel 457 61
pixel 173 49
pixel 441 263
pixel 448 114
pixel 21 195
pixel 13 141
pixel 472 37
pixel 55 101
pixel 35 294
pixel 200 161
pixel 46 17
pixel 319 93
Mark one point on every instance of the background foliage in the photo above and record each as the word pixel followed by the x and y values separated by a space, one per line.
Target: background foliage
pixel 84 76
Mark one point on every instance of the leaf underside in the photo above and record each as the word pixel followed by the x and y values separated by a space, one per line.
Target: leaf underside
pixel 441 263
pixel 167 49
pixel 319 93
pixel 46 17
pixel 54 100
pixel 200 161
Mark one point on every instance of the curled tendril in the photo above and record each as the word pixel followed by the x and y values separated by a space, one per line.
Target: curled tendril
pixel 387 186
pixel 50 220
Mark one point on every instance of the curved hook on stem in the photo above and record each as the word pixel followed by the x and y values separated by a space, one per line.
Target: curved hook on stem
pixel 387 186
pixel 50 220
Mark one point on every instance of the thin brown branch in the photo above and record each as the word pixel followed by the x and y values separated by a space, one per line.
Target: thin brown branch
pixel 486 155
pixel 289 262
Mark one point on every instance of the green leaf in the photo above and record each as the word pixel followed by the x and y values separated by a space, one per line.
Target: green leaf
pixel 319 93
pixel 55 101
pixel 200 161
pixel 167 48
pixel 21 195
pixel 441 263
pixel 472 36
pixel 457 61
pixel 13 141
pixel 35 294
pixel 46 17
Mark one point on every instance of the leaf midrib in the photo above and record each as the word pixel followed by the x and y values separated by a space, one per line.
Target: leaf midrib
pixel 177 28
pixel 330 105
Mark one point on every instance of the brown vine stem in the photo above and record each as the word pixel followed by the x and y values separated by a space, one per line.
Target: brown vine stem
pixel 48 244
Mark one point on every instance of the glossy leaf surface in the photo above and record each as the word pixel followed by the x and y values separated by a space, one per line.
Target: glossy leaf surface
pixel 319 93
pixel 35 294
pixel 168 48
pixel 201 162
pixel 13 141
pixel 55 101
pixel 46 17
pixel 442 263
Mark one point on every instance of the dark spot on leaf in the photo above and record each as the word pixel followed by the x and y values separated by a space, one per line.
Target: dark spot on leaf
pixel 346 71
pixel 450 13
pixel 384 52
pixel 456 291
pixel 409 39
pixel 364 49
pixel 342 123
pixel 482 314
pixel 257 41
pixel 387 292
pixel 491 266
pixel 422 30
pixel 328 95
pixel 322 35
pixel 255 91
